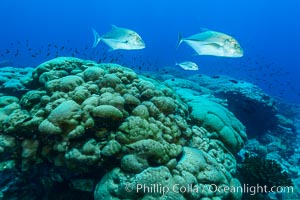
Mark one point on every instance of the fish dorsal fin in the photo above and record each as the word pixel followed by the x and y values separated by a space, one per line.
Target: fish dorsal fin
pixel 203 30
pixel 114 27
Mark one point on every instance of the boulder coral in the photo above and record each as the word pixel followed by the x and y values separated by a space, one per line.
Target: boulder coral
pixel 85 116
pixel 216 119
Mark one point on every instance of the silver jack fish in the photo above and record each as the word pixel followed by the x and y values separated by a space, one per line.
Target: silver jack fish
pixel 120 38
pixel 188 65
pixel 213 43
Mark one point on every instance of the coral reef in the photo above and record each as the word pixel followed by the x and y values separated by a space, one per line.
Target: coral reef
pixel 272 125
pixel 85 117
pixel 264 172
pixel 14 80
pixel 255 170
pixel 255 109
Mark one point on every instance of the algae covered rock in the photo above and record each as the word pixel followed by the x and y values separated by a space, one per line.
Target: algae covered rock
pixel 63 117
pixel 14 81
pixel 92 73
pixel 6 100
pixel 165 104
pixel 64 84
pixel 62 65
pixel 131 187
pixel 107 112
pixel 7 144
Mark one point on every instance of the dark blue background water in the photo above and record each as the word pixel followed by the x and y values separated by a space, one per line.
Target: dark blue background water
pixel 267 30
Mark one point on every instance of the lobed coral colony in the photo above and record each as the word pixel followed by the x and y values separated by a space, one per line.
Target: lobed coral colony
pixel 78 116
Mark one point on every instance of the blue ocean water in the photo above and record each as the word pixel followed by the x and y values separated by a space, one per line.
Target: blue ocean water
pixel 35 31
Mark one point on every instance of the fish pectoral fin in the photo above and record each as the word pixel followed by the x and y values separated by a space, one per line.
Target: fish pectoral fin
pixel 116 40
pixel 111 49
pixel 213 45
pixel 123 41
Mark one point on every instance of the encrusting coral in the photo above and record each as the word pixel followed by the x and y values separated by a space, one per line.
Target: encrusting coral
pixel 82 115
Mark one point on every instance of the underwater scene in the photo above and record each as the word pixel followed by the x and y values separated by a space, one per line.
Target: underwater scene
pixel 146 100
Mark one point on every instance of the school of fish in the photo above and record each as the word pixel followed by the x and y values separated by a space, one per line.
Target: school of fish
pixel 257 70
pixel 206 42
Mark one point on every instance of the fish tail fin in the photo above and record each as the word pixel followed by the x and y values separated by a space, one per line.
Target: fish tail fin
pixel 97 38
pixel 179 41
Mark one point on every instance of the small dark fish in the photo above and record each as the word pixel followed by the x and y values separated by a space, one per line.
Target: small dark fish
pixel 29 49
pixel 33 55
pixel 55 46
pixel 48 54
pixel 62 48
pixel 233 81
pixel 7 51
